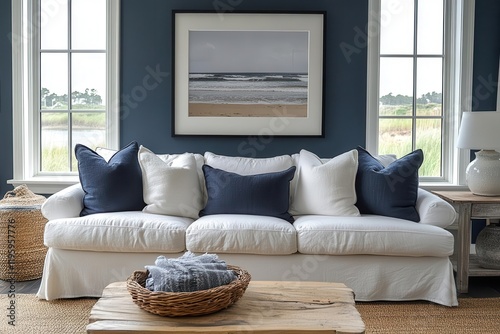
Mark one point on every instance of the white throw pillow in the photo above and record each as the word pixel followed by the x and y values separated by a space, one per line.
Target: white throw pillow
pixel 172 187
pixel 326 188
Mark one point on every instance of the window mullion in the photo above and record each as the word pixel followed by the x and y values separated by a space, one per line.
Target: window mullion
pixel 34 104
pixel 415 71
pixel 70 89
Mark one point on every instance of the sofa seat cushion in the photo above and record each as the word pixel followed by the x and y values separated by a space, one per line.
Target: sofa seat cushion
pixel 130 231
pixel 243 234
pixel 371 235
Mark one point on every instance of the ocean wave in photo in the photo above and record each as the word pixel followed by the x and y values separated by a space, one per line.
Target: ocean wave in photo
pixel 248 88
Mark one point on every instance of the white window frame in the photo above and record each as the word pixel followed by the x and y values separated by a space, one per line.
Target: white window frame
pixel 26 130
pixel 457 81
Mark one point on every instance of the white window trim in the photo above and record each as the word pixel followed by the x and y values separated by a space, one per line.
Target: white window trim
pixel 459 29
pixel 25 129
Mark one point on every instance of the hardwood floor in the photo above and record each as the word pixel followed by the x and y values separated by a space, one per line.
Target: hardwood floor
pixel 483 287
pixel 479 287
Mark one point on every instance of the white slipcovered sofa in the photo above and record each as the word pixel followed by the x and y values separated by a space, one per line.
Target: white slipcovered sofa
pixel 328 239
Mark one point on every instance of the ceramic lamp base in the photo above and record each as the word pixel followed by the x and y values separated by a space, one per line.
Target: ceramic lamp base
pixel 483 173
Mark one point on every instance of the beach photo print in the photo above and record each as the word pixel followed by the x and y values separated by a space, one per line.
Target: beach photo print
pixel 248 73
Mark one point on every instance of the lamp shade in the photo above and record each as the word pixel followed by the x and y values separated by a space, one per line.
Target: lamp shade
pixel 480 130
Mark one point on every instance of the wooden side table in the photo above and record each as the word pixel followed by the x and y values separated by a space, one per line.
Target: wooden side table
pixel 469 206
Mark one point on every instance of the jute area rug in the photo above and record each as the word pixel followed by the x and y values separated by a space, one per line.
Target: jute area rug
pixel 474 315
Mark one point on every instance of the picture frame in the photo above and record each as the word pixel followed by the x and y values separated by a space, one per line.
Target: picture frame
pixel 248 73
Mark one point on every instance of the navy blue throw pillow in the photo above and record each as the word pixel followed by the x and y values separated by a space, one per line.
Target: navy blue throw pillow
pixel 266 194
pixel 388 191
pixel 110 186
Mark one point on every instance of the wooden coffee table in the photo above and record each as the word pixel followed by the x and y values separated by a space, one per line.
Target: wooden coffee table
pixel 266 307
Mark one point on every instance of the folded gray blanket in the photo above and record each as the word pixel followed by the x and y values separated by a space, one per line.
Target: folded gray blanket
pixel 188 273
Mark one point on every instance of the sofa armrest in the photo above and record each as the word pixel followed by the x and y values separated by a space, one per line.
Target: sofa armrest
pixel 66 203
pixel 434 210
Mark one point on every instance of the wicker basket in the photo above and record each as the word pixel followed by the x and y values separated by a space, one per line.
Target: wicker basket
pixel 176 304
pixel 22 252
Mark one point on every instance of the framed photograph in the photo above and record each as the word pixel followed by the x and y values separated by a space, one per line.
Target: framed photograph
pixel 243 73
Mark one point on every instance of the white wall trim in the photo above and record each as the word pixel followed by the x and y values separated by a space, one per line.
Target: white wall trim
pixel 372 78
pixel 466 78
pixel 113 86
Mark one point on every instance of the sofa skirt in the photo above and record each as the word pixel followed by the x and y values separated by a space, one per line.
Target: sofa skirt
pixel 74 274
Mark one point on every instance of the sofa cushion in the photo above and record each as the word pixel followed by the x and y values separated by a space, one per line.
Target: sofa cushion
pixel 389 191
pixel 370 234
pixel 170 188
pixel 326 188
pixel 132 231
pixel 243 234
pixel 265 194
pixel 248 166
pixel 114 185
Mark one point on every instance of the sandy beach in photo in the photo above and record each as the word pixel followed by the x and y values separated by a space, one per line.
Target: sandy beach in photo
pixel 247 110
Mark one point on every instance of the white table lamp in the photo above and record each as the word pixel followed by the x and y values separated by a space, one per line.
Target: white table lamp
pixel 481 130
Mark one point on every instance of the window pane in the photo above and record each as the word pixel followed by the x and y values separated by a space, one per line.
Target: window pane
pixel 53 24
pixel 396 27
pixel 395 136
pixel 88 22
pixel 430 27
pixel 54 145
pixel 428 138
pixel 53 81
pixel 429 86
pixel 89 129
pixel 396 87
pixel 88 82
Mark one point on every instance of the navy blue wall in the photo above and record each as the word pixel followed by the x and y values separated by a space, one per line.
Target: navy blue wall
pixel 485 76
pixel 146 41
pixel 486 55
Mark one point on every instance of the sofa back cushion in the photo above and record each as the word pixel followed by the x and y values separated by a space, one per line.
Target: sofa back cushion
pixel 248 166
pixel 107 153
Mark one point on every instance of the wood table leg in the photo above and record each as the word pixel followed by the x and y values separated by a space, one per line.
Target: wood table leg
pixel 464 240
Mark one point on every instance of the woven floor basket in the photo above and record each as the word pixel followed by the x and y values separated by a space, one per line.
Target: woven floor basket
pixel 176 304
pixel 22 252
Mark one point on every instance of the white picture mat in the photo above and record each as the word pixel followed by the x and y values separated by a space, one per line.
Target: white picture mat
pixel 276 126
